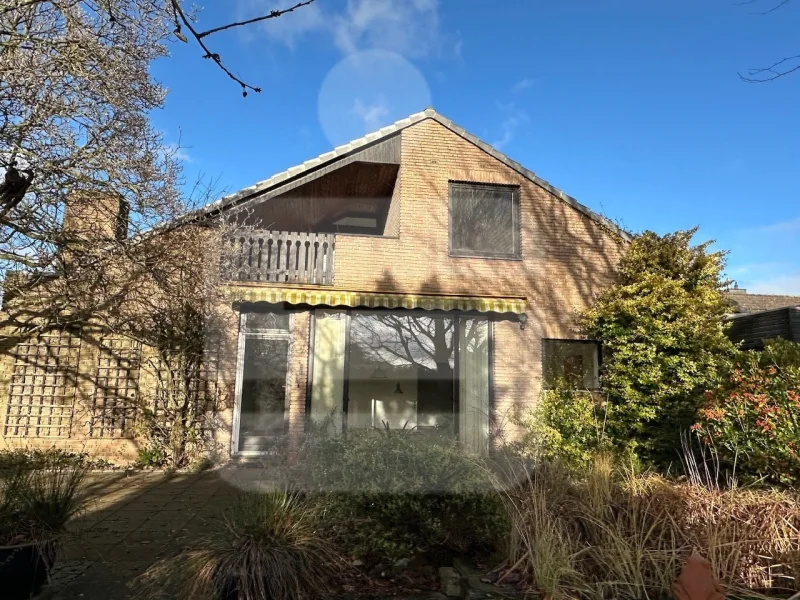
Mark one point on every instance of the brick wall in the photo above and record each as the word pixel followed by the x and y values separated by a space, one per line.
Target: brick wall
pixel 566 258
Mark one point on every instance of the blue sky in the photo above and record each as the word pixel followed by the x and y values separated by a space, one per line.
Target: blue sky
pixel 634 107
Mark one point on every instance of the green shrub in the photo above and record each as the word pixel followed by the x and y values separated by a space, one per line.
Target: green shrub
pixel 568 426
pixel 663 334
pixel 265 547
pixel 35 458
pixel 152 455
pixel 753 418
pixel 392 493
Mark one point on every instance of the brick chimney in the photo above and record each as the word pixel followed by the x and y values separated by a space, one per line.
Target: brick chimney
pixel 97 217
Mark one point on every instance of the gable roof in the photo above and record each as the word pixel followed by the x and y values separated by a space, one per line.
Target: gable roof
pixel 248 193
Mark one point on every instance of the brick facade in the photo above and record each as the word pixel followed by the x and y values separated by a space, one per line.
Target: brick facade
pixel 566 258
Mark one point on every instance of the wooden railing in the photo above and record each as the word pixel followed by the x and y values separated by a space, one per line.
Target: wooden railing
pixel 279 257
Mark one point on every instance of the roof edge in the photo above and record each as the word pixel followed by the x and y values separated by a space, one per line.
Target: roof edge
pixel 227 202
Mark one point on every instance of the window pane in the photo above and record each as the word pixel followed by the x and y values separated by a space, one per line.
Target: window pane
pixel 264 321
pixel 473 390
pixel 327 382
pixel 483 220
pixel 572 362
pixel 401 371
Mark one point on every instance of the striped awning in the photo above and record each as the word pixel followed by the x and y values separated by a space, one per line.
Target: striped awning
pixel 373 300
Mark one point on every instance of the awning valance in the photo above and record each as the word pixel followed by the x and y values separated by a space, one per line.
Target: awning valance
pixel 374 300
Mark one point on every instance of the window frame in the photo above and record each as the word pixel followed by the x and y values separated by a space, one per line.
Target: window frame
pixel 596 343
pixel 515 218
pixel 455 315
pixel 265 334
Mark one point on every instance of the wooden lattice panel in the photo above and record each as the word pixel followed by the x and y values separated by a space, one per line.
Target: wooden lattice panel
pixel 42 390
pixel 203 390
pixel 116 391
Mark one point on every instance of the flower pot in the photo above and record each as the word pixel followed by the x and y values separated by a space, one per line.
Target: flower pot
pixel 24 569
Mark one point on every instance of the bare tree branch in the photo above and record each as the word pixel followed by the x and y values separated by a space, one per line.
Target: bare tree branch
pixel 774 8
pixel 170 10
pixel 771 73
pixel 272 14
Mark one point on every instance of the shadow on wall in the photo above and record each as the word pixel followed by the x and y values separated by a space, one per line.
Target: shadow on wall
pixel 567 258
pixel 83 391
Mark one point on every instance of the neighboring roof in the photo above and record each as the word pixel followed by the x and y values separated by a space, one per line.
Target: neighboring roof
pixel 248 193
pixel 750 303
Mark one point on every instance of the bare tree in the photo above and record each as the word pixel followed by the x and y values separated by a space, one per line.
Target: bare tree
pixel 83 165
pixel 177 314
pixel 779 68
pixel 114 15
pixel 83 170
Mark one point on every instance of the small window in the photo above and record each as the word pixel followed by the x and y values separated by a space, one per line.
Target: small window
pixel 484 220
pixel 357 222
pixel 266 321
pixel 575 363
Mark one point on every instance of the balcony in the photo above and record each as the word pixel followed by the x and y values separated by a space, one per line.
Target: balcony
pixel 279 257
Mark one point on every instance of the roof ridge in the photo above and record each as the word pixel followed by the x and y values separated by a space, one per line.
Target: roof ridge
pixel 226 202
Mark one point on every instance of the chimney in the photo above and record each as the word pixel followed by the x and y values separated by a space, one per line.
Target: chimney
pixel 96 217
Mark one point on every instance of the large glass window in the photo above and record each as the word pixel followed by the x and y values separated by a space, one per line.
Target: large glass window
pixel 575 363
pixel 484 220
pixel 416 369
pixel 401 371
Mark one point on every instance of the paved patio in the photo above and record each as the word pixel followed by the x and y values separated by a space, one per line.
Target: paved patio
pixel 133 520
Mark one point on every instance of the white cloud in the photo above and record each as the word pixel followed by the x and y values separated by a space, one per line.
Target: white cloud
pixel 513 119
pixel 407 27
pixel 743 270
pixel 285 29
pixel 788 285
pixel 458 46
pixel 522 85
pixel 373 115
pixel 178 152
pixel 791 226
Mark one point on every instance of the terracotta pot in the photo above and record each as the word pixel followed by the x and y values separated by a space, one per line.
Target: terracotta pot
pixel 24 568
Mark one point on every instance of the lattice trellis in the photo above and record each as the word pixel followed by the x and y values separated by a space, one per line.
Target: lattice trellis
pixel 116 391
pixel 204 389
pixel 41 395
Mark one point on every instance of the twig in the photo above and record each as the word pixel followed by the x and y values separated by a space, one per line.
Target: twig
pixel 272 14
pixel 754 73
pixel 180 17
pixel 774 8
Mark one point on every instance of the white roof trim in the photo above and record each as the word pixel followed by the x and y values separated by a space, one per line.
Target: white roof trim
pixel 229 201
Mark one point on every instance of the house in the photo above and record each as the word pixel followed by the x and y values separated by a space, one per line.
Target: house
pixel 413 277
pixel 761 317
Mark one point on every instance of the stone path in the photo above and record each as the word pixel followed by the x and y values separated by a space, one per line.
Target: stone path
pixel 131 521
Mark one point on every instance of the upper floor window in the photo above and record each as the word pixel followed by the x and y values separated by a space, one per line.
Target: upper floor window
pixel 484 220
